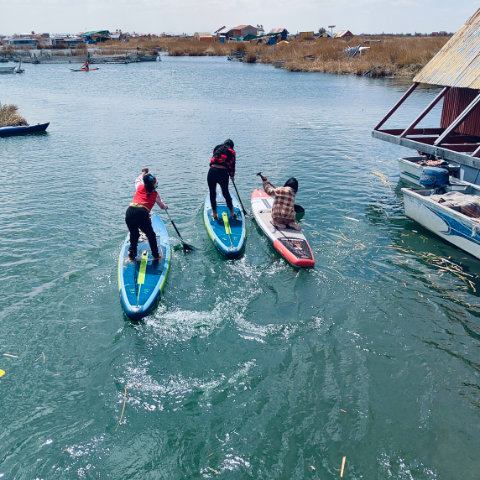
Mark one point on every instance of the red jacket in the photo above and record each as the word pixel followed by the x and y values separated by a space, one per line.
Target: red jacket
pixel 226 157
pixel 142 197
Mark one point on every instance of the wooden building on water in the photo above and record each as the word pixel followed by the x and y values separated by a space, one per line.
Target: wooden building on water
pixel 456 69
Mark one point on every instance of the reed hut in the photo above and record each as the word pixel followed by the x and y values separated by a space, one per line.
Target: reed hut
pixel 456 70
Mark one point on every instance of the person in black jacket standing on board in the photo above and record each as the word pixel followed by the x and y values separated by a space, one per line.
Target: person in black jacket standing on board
pixel 222 167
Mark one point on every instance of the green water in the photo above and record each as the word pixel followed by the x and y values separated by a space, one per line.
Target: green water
pixel 248 369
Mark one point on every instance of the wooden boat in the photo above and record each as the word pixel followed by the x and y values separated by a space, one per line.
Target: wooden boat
pixel 23 130
pixel 452 213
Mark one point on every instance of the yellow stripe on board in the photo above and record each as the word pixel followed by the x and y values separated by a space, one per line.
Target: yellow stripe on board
pixel 143 268
pixel 226 223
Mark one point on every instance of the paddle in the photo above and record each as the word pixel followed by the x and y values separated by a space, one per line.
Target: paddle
pixel 185 245
pixel 240 200
pixel 298 208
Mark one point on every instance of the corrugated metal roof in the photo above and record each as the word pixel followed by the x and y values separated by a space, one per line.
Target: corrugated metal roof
pixel 343 33
pixel 277 30
pixel 457 64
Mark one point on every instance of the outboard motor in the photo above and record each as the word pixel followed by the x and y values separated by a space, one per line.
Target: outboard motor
pixel 434 177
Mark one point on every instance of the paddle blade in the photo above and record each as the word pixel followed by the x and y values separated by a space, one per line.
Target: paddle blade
pixel 298 208
pixel 185 247
pixel 188 248
pixel 299 212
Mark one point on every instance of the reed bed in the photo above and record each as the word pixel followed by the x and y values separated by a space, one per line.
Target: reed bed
pixel 387 55
pixel 9 116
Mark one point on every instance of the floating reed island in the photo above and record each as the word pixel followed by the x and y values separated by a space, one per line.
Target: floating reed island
pixel 9 116
pixel 384 56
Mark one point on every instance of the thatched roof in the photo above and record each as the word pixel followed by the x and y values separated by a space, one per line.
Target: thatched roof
pixel 457 64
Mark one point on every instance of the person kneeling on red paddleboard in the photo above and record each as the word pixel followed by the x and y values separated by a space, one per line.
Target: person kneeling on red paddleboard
pixel 283 209
pixel 222 167
pixel 137 216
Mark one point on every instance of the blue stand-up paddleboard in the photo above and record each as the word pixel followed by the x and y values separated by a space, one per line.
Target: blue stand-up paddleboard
pixel 142 281
pixel 226 233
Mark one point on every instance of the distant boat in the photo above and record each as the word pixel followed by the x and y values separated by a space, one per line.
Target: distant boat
pixel 6 70
pixel 19 69
pixel 83 70
pixel 23 129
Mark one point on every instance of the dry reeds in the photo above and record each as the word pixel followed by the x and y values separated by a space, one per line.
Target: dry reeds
pixel 9 116
pixel 387 55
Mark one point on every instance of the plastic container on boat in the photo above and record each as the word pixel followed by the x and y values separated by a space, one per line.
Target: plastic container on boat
pixel 434 177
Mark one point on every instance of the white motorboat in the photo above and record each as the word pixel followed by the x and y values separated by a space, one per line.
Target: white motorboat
pixel 411 169
pixel 452 213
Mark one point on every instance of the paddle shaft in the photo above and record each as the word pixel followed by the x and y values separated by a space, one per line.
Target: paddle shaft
pixel 239 199
pixel 185 244
pixel 278 230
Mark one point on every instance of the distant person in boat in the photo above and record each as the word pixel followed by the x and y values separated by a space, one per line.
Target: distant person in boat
pixel 222 167
pixel 85 66
pixel 283 210
pixel 138 213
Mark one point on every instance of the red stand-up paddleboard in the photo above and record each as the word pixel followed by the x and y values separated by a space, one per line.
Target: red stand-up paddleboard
pixel 290 244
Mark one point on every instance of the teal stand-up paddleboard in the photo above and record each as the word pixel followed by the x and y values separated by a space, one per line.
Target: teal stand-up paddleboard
pixel 226 233
pixel 142 281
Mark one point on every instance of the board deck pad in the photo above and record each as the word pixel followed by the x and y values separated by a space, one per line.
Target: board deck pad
pixel 228 234
pixel 290 243
pixel 142 281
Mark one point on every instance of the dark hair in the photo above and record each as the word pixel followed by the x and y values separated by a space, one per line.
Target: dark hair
pixel 229 143
pixel 149 181
pixel 292 182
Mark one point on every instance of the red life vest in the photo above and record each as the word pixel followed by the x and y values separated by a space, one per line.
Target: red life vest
pixel 143 198
pixel 225 157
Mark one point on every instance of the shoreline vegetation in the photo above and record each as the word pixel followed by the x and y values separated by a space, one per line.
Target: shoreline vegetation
pixel 386 56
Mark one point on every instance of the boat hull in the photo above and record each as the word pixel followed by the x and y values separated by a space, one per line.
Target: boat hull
pixel 451 226
pixel 23 130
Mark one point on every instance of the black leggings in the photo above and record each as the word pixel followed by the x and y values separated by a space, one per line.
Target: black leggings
pixel 138 218
pixel 220 176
